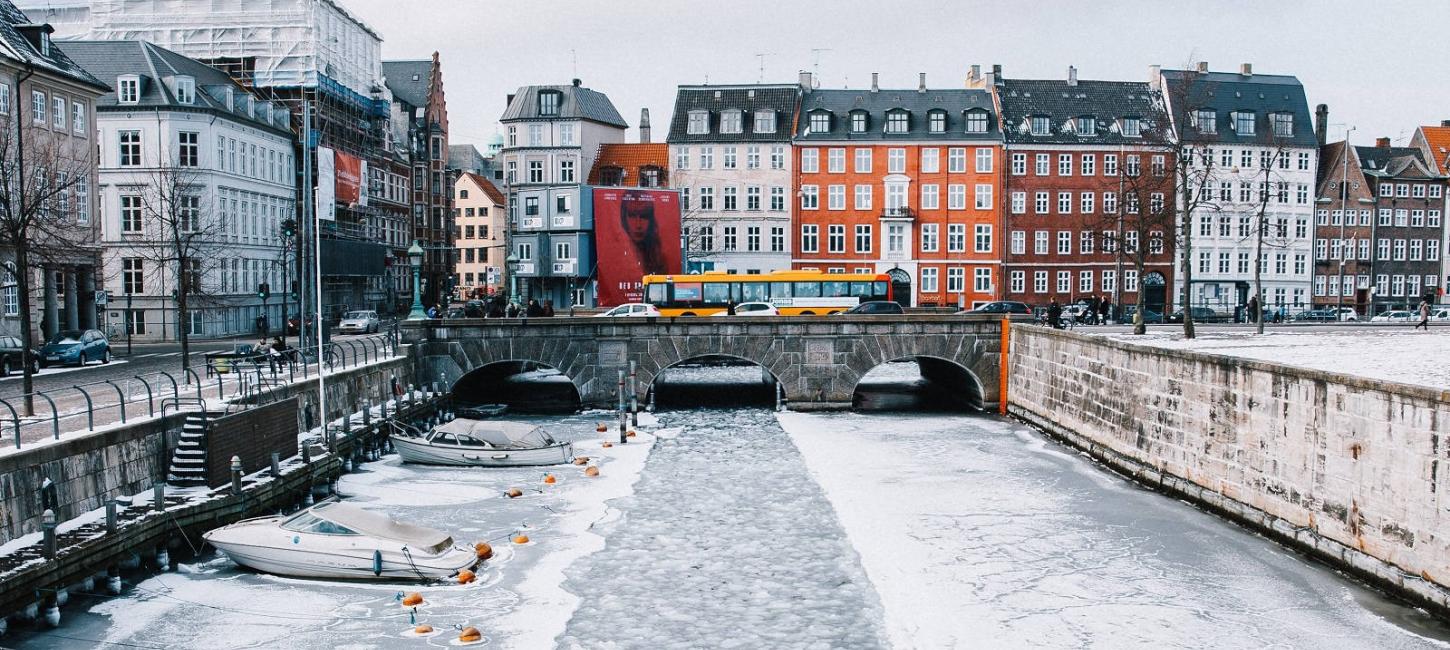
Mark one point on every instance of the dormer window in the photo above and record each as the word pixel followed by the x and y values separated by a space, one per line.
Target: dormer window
pixel 651 176
pixel 611 176
pixel 549 101
pixel 731 121
pixel 765 121
pixel 820 122
pixel 936 121
pixel 1132 127
pixel 1283 124
pixel 1087 125
pixel 45 43
pixel 128 89
pixel 1244 122
pixel 1041 125
pixel 897 121
pixel 186 90
pixel 858 121
pixel 1205 120
pixel 699 123
pixel 976 121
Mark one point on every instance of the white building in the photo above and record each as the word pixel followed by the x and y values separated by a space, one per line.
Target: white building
pixel 730 148
pixel 170 121
pixel 1254 134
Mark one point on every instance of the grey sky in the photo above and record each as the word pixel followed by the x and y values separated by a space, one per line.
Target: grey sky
pixel 1376 65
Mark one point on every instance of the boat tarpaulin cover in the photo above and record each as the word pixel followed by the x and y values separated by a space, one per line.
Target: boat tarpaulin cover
pixel 373 524
pixel 503 435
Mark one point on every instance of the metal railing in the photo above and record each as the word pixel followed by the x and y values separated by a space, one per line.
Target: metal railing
pixel 250 381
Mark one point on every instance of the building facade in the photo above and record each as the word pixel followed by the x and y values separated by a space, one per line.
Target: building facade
pixel 902 182
pixel 1253 142
pixel 1434 145
pixel 481 230
pixel 552 135
pixel 421 114
pixel 1089 191
pixel 196 182
pixel 731 152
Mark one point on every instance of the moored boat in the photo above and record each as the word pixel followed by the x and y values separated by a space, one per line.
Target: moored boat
pixel 341 541
pixel 484 444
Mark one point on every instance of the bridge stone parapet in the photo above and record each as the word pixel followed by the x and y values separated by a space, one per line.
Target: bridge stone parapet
pixel 816 360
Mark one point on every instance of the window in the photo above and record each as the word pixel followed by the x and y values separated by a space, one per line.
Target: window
pixel 729 198
pixel 1130 280
pixel 863 238
pixel 752 198
pixel 984 160
pixel 1039 281
pixel 983 241
pixel 896 161
pixel 1402 190
pixel 131 213
pixel 1089 164
pixel 1086 203
pixel 895 238
pixel 130 148
pixel 1040 203
pixel 810 197
pixel 1064 164
pixel 956 196
pixel 836 197
pixel 858 122
pixel 1283 124
pixel 956 160
pixel 863 197
pixel 810 160
pixel 928 279
pixel 929 237
pixel 777 199
pixel 730 161
pixel 1132 127
pixel 764 121
pixel 1019 242
pixel 1064 281
pixel 863 160
pixel 1019 203
pixel 936 121
pixel 566 134
pixel 1205 120
pixel 4 99
pixel 1244 123
pixel 1085 282
pixel 1040 125
pixel 566 173
pixel 188 149
pixel 976 121
pixel 777 157
pixel 820 122
pixel 536 171
pixel 957 237
pixel 930 196
pixel 1087 125
pixel 698 123
pixel 37 106
pixel 1110 164
pixel 1417 190
pixel 1110 281
pixel 896 121
pixel 1042 164
pixel 731 121
pixel 1085 242
pixel 128 89
pixel 752 239
pixel 536 135
pixel 1039 242
pixel 1064 202
pixel 1064 242
pixel 1132 165
pixel 57 115
pixel 531 206
pixel 1019 164
pixel 984 196
pixel 732 238
pixel 777 239
pixel 133 279
pixel 956 279
pixel 835 238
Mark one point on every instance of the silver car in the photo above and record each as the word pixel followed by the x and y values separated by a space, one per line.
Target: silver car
pixel 363 321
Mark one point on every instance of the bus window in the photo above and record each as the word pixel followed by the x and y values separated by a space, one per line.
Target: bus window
pixel 717 293
pixel 807 289
pixel 882 290
pixel 655 294
pixel 861 290
pixel 687 292
pixel 780 290
pixel 754 292
pixel 836 289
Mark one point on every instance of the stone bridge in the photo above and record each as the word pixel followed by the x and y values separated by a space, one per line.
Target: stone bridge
pixel 817 361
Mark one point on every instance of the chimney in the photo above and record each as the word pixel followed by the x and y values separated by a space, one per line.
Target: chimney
pixel 874 77
pixel 1155 74
pixel 1382 143
pixel 1321 123
pixel 975 74
pixel 577 82
pixel 509 102
pixel 644 126
pixel 1246 69
pixel 1444 122
pixel 1072 75
pixel 805 80
pixel 921 82
pixel 1203 67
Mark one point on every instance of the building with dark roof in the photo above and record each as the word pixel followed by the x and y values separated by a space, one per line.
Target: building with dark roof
pixel 553 134
pixel 1253 137
pixel 230 150
pixel 1089 188
pixel 49 98
pixel 420 145
pixel 730 147
pixel 905 182
pixel 481 238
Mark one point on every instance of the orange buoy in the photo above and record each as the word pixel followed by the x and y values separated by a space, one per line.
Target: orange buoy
pixel 601 428
pixel 483 550
pixel 581 460
pixel 470 635
pixel 423 629
pixel 549 478
pixel 630 434
pixel 521 539
pixel 412 599
pixel 514 493
pixel 591 471
pixel 465 576
pixel 607 444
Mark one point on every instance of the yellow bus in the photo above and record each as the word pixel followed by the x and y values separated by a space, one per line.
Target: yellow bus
pixel 793 293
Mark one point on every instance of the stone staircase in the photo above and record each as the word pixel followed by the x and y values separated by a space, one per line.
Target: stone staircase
pixel 188 462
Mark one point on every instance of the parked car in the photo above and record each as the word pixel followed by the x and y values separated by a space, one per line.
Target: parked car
pixel 752 309
pixel 1314 315
pixel 632 309
pixel 1200 315
pixel 876 307
pixel 75 347
pixel 1440 314
pixel 1346 314
pixel 1393 316
pixel 364 321
pixel 1150 316
pixel 1000 307
pixel 11 353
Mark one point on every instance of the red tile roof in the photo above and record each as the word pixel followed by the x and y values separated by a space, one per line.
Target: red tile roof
pixel 631 157
pixel 1438 139
pixel 487 186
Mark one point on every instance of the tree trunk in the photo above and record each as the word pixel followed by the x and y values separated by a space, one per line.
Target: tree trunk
pixel 1258 275
pixel 1187 248
pixel 27 328
pixel 1140 326
pixel 183 323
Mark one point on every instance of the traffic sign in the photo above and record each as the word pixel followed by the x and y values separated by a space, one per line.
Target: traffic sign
pixel 103 297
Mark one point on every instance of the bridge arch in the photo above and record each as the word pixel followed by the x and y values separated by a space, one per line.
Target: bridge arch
pixel 520 383
pixel 761 388
pixel 946 380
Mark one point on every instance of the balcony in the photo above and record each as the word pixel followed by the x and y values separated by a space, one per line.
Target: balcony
pixel 901 213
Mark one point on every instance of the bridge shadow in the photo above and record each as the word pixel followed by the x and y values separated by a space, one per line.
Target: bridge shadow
pixel 713 381
pixel 920 383
pixel 525 386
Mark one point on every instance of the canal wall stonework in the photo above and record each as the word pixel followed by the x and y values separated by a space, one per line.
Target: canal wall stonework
pixel 1348 469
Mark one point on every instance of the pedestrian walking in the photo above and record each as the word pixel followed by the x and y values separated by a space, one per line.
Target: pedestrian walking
pixel 548 309
pixel 512 311
pixel 730 307
pixel 533 310
pixel 1424 316
pixel 1253 309
pixel 1054 315
pixel 1105 310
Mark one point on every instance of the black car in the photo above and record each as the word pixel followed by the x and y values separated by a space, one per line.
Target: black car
pixel 11 352
pixel 876 307
pixel 1200 315
pixel 1150 317
pixel 1000 307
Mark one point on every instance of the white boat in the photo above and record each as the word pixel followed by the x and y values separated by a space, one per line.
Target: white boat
pixel 483 444
pixel 341 541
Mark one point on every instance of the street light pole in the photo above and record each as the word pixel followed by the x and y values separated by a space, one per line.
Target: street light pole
pixel 415 257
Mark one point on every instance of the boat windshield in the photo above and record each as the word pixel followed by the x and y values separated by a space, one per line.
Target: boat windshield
pixel 309 523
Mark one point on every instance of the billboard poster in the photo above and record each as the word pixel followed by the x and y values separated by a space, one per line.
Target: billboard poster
pixel 349 179
pixel 636 233
pixel 326 195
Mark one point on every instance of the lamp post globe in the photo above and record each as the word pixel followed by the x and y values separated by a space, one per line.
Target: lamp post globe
pixel 415 258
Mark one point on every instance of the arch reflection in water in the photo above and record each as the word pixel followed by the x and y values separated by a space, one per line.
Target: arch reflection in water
pixel 918 384
pixel 525 386
pixel 714 381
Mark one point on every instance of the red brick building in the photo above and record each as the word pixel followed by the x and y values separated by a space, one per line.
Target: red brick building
pixel 902 182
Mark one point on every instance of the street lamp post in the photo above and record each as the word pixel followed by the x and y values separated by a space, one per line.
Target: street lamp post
pixel 512 263
pixel 415 257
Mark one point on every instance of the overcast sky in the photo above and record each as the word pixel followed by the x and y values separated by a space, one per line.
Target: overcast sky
pixel 1379 66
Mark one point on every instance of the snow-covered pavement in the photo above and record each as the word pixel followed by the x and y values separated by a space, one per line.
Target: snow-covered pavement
pixel 979 532
pixel 1402 355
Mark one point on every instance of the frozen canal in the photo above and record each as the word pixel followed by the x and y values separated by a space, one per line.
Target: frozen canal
pixel 739 527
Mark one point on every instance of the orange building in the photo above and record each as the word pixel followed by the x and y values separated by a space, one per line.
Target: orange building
pixel 902 182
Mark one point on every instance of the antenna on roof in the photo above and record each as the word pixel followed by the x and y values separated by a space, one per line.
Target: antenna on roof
pixel 761 55
pixel 574 61
pixel 816 62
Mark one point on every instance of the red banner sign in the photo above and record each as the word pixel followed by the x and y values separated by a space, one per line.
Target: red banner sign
pixel 637 233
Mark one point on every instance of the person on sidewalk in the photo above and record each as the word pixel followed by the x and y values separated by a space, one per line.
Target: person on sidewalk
pixel 1424 316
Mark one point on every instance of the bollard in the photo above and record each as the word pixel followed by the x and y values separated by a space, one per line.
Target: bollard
pixel 623 423
pixel 276 465
pixel 367 413
pixel 47 524
pixel 158 497
pixel 111 505
pixel 306 454
pixel 163 559
pixel 113 579
pixel 52 612
pixel 633 397
pixel 236 475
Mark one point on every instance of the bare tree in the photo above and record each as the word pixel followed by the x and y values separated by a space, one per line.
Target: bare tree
pixel 1194 173
pixel 1274 155
pixel 1142 226
pixel 42 219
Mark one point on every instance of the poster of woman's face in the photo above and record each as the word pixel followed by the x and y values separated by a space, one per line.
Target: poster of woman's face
pixel 637 233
